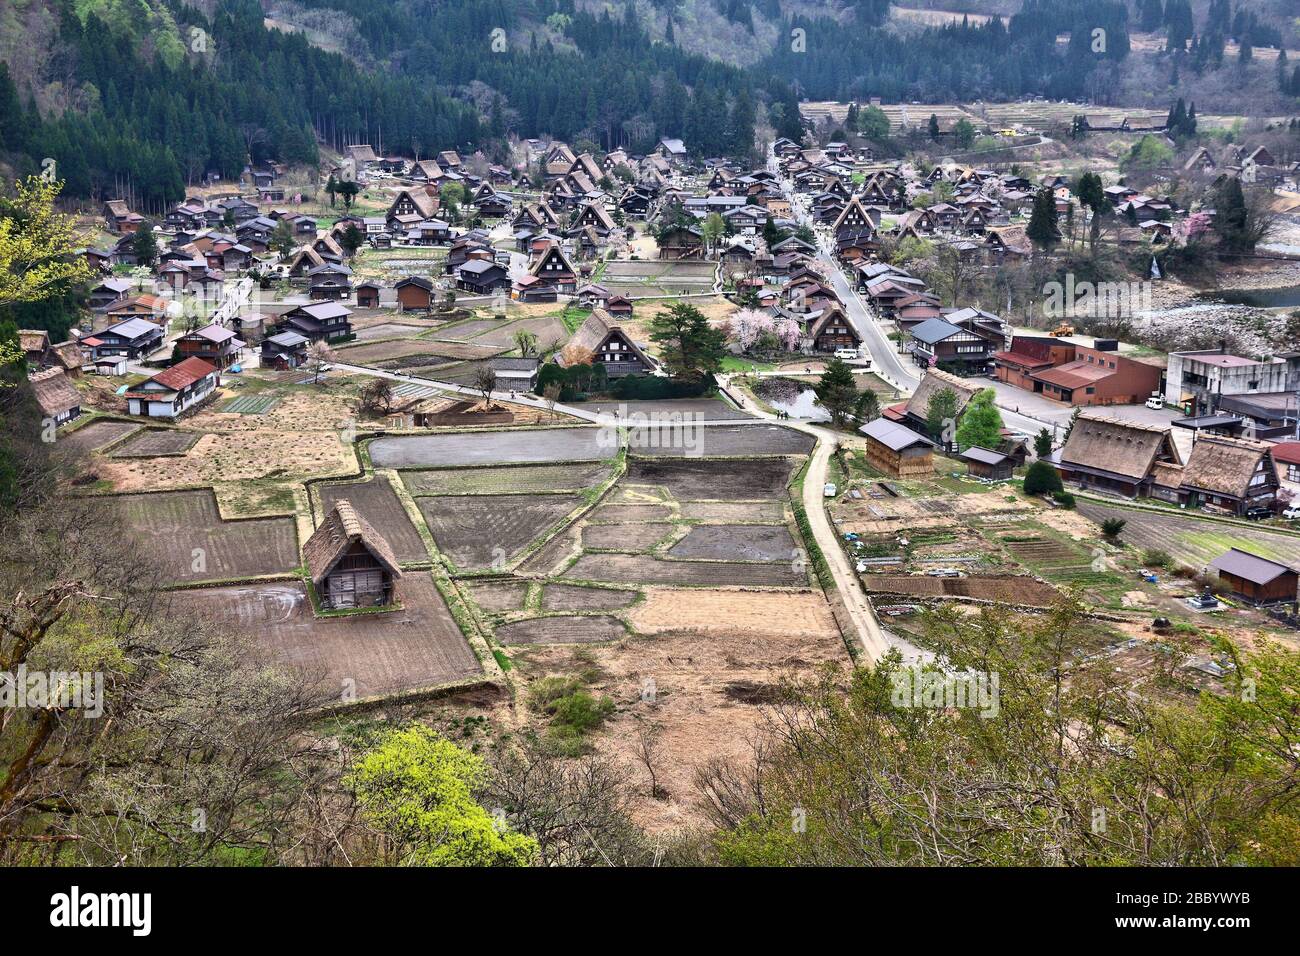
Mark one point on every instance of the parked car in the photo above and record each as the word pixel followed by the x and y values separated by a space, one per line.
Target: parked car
pixel 1292 513
pixel 1156 401
pixel 1259 513
pixel 829 490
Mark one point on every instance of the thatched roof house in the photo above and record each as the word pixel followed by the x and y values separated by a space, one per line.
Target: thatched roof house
pixel 349 562
pixel 56 395
pixel 609 346
pixel 1117 456
pixel 1226 474
pixel 917 410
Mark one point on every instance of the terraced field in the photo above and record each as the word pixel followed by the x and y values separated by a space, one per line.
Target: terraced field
pixel 477 532
pixel 1194 541
pixel 377 502
pixel 521 479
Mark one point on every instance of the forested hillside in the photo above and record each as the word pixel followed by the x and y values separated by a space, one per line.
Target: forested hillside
pixel 139 98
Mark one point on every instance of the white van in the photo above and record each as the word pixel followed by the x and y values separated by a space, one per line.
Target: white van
pixel 848 355
pixel 1156 401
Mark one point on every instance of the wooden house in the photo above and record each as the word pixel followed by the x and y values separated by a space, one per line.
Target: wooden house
pixel 482 277
pixel 610 346
pixel 215 344
pixel 350 564
pixel 368 295
pixel 896 450
pixel 1118 457
pixel 553 267
pixel 132 339
pixel 1255 579
pixel 988 464
pixel 1223 474
pixel 327 321
pixel 414 294
pixel 56 396
pixel 284 350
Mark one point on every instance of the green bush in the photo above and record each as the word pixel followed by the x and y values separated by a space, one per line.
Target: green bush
pixel 651 387
pixel 1112 528
pixel 1064 499
pixel 1042 479
pixel 1155 558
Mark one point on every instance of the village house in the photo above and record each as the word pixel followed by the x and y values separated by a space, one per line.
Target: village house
pixel 174 390
pixel 214 343
pixel 482 277
pixel 119 219
pixel 554 268
pixel 330 280
pixel 1113 456
pixel 896 450
pixel 367 294
pixel 56 395
pixel 915 412
pixel 349 563
pixel 610 346
pixel 1197 381
pixel 132 339
pixel 1255 579
pixel 1233 476
pixel 988 464
pixel 414 294
pixel 1029 354
pixel 327 321
pixel 831 330
pixel 284 350
pixel 937 341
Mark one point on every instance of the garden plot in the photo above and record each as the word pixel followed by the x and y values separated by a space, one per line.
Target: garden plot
pixel 718 441
pixel 624 537
pixel 550 332
pixel 464 331
pixel 621 513
pixel 390 330
pixel 251 404
pixel 93 437
pixel 480 531
pixel 403 350
pixel 490 448
pixel 637 569
pixel 571 597
pixel 748 512
pixel 738 543
pixel 498 595
pixel 588 629
pixel 1003 588
pixel 639 279
pixel 1191 540
pixel 183 534
pixel 731 481
pixel 414 647
pixel 156 443
pixel 520 479
pixel 377 503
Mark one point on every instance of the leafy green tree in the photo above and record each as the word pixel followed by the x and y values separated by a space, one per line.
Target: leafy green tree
pixel 836 391
pixel 348 189
pixel 873 123
pixel 867 408
pixel 713 228
pixel 331 189
pixel 1041 479
pixel 934 127
pixel 1092 194
pixel 417 789
pixel 941 413
pixel 352 239
pixel 283 239
pixel 963 132
pixel 690 347
pixel 981 422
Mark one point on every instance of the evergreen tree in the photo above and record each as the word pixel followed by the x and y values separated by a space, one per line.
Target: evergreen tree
pixel 836 391
pixel 1043 229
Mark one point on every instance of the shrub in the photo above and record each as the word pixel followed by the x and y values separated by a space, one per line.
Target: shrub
pixel 1112 528
pixel 1042 479
pixel 1064 499
pixel 1155 558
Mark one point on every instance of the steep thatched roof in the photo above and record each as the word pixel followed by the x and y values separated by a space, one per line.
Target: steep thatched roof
pixel 341 529
pixel 55 392
pixel 593 332
pixel 1223 465
pixel 1123 448
pixel 936 380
